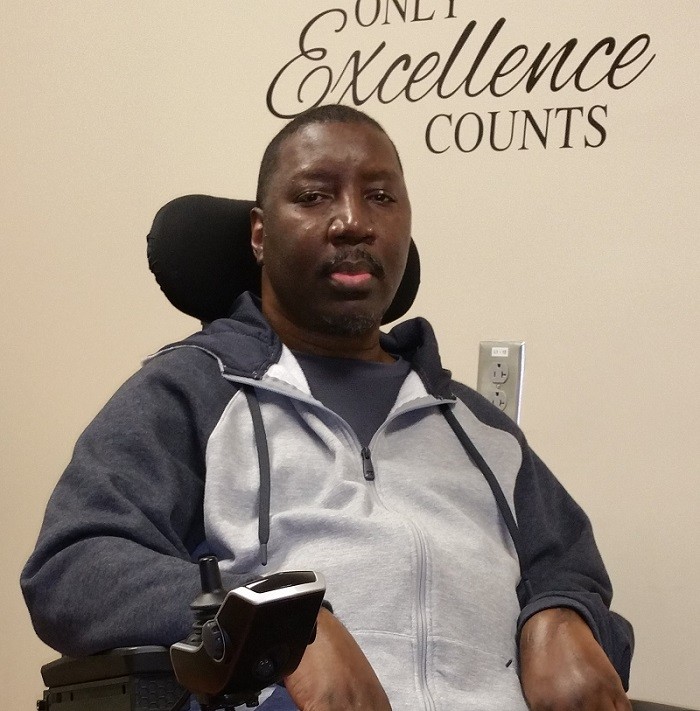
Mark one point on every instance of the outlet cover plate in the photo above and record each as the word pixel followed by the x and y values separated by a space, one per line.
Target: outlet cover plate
pixel 500 376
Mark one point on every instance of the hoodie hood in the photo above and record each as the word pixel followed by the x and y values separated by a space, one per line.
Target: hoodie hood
pixel 246 346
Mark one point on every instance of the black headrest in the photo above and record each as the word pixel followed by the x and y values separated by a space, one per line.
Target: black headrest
pixel 199 251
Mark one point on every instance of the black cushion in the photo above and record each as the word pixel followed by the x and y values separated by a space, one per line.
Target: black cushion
pixel 199 251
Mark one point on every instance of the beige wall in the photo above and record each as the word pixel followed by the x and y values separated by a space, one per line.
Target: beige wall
pixel 588 254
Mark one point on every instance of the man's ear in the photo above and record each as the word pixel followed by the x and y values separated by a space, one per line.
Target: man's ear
pixel 257 233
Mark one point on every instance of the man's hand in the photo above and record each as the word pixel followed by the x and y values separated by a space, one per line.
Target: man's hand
pixel 563 668
pixel 334 674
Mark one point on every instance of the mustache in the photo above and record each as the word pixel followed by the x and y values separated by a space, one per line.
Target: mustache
pixel 358 256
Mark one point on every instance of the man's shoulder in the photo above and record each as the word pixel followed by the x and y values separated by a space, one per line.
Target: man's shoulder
pixel 239 346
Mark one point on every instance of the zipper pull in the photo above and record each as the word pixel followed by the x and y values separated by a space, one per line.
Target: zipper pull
pixel 367 468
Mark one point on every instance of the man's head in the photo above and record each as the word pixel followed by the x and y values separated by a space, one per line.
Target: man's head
pixel 328 113
pixel 332 227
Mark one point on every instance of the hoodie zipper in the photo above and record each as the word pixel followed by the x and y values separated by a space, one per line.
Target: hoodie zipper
pixel 367 466
pixel 421 575
pixel 423 617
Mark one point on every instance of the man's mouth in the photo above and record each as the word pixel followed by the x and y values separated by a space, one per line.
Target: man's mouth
pixel 351 279
pixel 354 269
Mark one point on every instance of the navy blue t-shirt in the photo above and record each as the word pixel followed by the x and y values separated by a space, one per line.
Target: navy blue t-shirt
pixel 361 392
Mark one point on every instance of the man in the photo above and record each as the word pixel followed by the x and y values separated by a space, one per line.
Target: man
pixel 370 481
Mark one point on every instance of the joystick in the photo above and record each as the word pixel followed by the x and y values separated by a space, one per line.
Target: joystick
pixel 248 638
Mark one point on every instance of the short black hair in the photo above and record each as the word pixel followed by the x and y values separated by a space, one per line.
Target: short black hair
pixel 327 113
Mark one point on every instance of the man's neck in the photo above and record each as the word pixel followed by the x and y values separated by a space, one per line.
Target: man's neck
pixel 364 346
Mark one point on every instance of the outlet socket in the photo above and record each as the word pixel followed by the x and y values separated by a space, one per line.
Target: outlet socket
pixel 500 376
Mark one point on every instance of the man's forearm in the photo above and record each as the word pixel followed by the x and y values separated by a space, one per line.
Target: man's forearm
pixel 563 668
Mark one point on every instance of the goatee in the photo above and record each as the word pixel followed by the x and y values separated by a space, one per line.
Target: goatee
pixel 349 324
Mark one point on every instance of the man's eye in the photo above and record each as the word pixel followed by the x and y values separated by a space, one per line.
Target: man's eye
pixel 381 196
pixel 309 198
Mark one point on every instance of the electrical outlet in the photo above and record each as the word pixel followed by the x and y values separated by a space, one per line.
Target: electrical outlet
pixel 500 376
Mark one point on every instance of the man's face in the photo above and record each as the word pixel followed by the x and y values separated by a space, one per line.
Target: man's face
pixel 334 230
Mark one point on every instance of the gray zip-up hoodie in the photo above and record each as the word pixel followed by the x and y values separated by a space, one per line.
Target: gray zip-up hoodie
pixel 418 561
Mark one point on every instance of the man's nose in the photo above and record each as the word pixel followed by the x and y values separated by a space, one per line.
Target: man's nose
pixel 351 221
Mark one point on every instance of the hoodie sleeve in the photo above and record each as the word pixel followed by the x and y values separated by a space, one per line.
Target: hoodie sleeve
pixel 113 565
pixel 563 566
pixel 561 562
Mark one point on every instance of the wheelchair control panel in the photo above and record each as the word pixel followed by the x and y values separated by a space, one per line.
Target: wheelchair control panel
pixel 242 641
